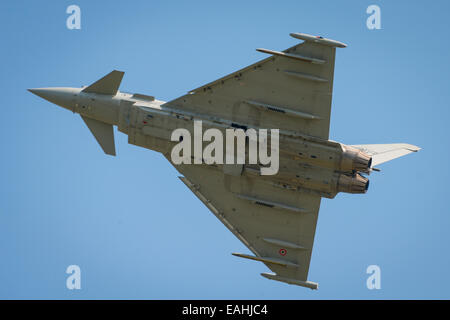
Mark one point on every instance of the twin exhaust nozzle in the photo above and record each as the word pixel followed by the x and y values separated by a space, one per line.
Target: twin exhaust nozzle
pixel 354 161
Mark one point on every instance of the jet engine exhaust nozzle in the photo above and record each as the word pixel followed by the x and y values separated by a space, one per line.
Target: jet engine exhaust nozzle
pixel 352 184
pixel 355 160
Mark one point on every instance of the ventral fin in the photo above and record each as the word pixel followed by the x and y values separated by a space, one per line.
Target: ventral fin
pixel 103 133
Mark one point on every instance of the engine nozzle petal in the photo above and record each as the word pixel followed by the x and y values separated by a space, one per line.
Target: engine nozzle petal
pixel 352 184
pixel 354 160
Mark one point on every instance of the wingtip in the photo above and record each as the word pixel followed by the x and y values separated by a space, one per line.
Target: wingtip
pixel 412 147
pixel 306 284
pixel 318 39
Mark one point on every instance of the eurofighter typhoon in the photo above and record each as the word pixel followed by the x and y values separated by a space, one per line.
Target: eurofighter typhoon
pixel 270 203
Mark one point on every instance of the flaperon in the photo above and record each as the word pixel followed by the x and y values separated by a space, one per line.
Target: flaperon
pixel 290 91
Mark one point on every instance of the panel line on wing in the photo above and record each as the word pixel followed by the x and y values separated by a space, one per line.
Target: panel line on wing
pixel 305 76
pixel 270 107
pixel 292 56
pixel 271 204
pixel 277 261
pixel 284 244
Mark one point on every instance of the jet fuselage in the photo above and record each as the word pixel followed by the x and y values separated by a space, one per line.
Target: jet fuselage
pixel 307 163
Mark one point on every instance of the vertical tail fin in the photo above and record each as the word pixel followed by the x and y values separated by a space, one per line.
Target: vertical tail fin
pixel 386 152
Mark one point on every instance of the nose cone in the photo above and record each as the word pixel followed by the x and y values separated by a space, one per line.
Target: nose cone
pixel 44 93
pixel 49 94
pixel 63 97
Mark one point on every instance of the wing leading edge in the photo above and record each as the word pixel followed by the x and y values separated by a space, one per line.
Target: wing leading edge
pixel 291 90
pixel 276 225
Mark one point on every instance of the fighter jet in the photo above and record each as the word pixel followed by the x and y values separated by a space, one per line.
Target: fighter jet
pixel 274 215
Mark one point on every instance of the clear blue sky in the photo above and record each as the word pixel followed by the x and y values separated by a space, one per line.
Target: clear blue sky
pixel 135 230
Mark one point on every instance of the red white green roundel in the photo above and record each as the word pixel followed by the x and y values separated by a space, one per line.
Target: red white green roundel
pixel 283 252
